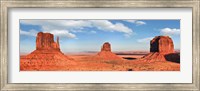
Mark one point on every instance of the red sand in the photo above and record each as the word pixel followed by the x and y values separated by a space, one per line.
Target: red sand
pixel 83 64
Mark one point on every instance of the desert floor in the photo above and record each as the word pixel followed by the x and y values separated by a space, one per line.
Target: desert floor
pixel 86 63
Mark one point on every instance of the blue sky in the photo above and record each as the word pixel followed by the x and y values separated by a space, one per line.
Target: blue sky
pixel 89 35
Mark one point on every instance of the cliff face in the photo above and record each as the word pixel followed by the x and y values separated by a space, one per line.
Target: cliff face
pixel 161 49
pixel 45 41
pixel 162 44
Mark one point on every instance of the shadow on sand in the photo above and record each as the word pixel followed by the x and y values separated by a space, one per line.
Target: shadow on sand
pixel 129 58
pixel 173 57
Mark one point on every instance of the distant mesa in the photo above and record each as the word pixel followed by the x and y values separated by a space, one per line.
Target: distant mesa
pixel 106 53
pixel 161 49
pixel 106 47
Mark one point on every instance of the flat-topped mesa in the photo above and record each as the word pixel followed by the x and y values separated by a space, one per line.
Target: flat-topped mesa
pixel 161 49
pixel 162 44
pixel 45 41
pixel 106 47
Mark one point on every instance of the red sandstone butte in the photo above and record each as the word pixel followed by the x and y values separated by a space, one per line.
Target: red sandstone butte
pixel 161 49
pixel 106 47
pixel 46 48
pixel 45 41
pixel 162 44
pixel 47 53
pixel 106 53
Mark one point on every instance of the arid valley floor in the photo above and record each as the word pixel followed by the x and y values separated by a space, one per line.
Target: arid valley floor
pixel 81 63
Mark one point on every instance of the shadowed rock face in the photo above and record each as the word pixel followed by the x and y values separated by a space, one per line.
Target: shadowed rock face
pixel 173 57
pixel 45 41
pixel 162 44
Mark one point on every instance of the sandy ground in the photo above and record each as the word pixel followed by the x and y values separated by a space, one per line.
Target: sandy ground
pixel 84 63
pixel 127 57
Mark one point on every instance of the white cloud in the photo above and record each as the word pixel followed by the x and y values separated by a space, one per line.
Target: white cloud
pixel 93 32
pixel 106 25
pixel 130 21
pixel 62 33
pixel 140 23
pixel 145 40
pixel 68 27
pixel 58 24
pixel 137 22
pixel 62 28
pixel 170 31
pixel 128 35
pixel 32 32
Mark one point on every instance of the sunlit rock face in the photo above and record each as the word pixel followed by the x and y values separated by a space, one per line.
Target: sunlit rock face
pixel 45 41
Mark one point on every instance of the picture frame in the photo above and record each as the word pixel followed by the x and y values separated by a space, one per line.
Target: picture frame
pixel 7 4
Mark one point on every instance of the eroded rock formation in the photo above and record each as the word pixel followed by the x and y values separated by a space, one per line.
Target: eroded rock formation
pixel 106 47
pixel 106 53
pixel 160 49
pixel 47 53
pixel 45 41
pixel 162 44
